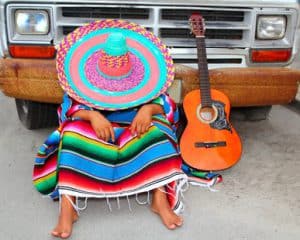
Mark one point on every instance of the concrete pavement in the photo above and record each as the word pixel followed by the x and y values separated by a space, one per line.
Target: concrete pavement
pixel 258 199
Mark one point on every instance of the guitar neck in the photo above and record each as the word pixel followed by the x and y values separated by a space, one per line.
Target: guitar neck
pixel 203 72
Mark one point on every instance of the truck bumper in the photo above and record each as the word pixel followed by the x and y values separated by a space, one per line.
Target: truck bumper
pixel 36 80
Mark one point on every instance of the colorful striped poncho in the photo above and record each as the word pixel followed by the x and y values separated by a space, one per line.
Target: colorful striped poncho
pixel 74 161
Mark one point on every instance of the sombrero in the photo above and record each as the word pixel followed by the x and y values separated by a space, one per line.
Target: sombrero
pixel 113 65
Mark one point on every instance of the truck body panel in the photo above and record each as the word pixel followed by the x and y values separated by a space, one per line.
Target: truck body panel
pixel 232 43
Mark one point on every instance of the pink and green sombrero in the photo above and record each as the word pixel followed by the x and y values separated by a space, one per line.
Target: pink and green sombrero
pixel 113 65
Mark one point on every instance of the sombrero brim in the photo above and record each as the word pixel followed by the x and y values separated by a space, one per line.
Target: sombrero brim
pixel 79 46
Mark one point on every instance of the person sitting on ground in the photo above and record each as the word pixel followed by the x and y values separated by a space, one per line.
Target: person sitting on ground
pixel 117 133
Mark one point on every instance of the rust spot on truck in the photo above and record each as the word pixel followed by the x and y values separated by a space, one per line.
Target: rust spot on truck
pixel 16 68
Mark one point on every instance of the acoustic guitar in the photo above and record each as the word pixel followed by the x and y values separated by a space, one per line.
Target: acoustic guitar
pixel 209 141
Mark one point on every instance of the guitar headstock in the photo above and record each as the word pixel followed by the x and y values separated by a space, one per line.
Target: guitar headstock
pixel 197 25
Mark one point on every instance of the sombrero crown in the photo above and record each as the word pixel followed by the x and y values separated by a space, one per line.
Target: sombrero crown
pixel 113 64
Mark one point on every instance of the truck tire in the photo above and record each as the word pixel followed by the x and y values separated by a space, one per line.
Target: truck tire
pixel 34 115
pixel 251 113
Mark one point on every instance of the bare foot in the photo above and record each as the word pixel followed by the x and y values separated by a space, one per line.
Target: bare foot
pixel 66 219
pixel 161 206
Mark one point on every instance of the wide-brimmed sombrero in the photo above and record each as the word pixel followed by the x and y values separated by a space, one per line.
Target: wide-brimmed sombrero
pixel 113 65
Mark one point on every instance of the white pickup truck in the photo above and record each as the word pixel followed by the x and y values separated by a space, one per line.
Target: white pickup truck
pixel 250 46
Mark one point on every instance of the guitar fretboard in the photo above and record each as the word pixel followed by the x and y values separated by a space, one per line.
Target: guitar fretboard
pixel 206 100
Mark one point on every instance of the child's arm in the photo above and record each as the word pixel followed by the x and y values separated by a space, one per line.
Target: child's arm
pixel 102 127
pixel 143 118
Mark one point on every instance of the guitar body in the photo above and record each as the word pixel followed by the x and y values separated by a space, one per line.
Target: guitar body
pixel 209 146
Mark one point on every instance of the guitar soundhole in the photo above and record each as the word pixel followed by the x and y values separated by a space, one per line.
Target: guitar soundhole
pixel 207 114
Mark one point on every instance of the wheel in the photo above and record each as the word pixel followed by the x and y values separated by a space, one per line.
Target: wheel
pixel 34 115
pixel 251 113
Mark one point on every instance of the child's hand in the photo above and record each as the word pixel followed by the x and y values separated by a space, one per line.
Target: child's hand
pixel 102 127
pixel 142 121
pixel 143 118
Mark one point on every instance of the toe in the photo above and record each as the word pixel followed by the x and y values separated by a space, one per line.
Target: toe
pixel 179 222
pixel 55 233
pixel 171 226
pixel 65 235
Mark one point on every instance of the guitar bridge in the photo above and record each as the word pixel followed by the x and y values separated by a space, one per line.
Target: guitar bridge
pixel 210 144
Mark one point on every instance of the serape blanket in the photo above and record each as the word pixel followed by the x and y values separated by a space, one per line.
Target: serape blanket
pixel 74 161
